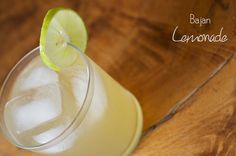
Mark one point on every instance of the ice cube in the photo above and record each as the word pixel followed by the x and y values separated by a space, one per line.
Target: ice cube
pixel 35 75
pixel 49 134
pixel 32 108
pixel 75 81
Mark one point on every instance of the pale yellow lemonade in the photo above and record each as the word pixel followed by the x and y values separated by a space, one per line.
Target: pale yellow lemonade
pixel 42 104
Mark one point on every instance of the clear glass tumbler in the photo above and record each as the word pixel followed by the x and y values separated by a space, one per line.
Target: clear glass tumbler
pixel 79 111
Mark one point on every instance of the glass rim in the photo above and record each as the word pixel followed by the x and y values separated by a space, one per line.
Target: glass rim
pixel 76 120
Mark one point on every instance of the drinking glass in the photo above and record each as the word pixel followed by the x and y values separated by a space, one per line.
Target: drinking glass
pixel 78 111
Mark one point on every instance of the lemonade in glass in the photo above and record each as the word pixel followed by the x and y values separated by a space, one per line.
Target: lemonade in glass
pixel 57 101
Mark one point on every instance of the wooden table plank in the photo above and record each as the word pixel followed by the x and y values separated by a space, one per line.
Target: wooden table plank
pixel 145 60
pixel 206 126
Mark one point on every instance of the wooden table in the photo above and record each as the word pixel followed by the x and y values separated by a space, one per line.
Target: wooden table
pixel 131 40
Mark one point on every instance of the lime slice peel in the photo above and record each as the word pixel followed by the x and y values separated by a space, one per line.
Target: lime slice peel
pixel 60 27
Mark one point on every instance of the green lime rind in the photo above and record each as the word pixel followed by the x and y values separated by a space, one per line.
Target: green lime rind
pixel 54 52
pixel 44 29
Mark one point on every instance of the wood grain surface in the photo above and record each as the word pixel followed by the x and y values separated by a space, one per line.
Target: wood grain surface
pixel 131 40
pixel 206 126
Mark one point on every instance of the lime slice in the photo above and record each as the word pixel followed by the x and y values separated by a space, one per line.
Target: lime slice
pixel 61 28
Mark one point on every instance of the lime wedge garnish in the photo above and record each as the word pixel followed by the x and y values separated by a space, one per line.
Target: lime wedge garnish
pixel 61 28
